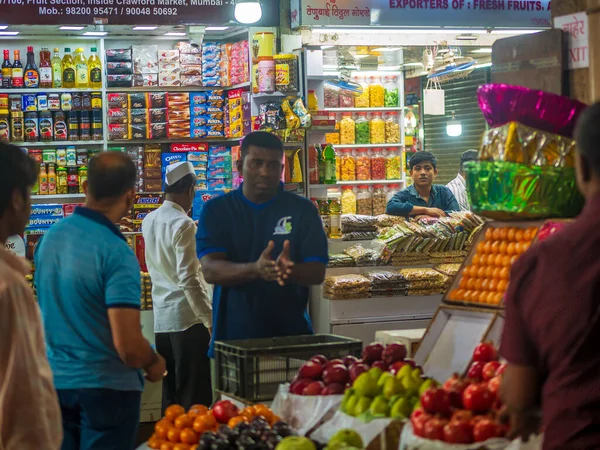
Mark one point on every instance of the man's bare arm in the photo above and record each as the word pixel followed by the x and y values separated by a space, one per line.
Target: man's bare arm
pixel 519 392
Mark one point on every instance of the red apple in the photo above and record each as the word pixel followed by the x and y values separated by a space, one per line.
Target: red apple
pixel 321 359
pixel 458 432
pixel 494 386
pixel 476 371
pixel 312 370
pixel 372 353
pixel 455 386
pixel 393 353
pixel 333 362
pixel 356 370
pixel 485 352
pixel 333 389
pixel 349 360
pixel 486 429
pixel 314 388
pixel 337 373
pixel 501 369
pixel 478 398
pixel 489 370
pixel 394 368
pixel 436 401
pixel 434 429
pixel 383 366
pixel 299 384
pixel 224 411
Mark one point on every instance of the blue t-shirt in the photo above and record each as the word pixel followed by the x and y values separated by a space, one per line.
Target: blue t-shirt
pixel 233 225
pixel 84 267
pixel 402 203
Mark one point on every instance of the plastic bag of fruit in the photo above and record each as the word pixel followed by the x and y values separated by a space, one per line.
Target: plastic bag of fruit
pixel 368 431
pixel 303 412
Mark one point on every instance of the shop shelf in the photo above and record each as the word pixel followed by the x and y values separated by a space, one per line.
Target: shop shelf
pixel 274 95
pixel 368 145
pixel 362 109
pixel 58 198
pixel 177 88
pixel 56 143
pixel 47 90
pixel 354 183
pixel 176 141
pixel 253 369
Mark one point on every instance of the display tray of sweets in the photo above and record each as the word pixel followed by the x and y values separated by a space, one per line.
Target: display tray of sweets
pixel 484 276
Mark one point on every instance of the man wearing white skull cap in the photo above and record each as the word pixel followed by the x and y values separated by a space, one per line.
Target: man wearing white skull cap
pixel 181 297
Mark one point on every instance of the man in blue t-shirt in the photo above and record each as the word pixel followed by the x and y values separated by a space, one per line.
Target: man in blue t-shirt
pixel 88 287
pixel 262 248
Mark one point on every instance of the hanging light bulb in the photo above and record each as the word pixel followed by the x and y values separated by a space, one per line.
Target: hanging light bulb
pixel 247 11
pixel 453 127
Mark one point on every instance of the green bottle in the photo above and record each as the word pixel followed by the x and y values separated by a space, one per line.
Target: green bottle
pixel 330 164
pixel 320 163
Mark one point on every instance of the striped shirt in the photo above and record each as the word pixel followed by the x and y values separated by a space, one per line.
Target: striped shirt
pixel 458 186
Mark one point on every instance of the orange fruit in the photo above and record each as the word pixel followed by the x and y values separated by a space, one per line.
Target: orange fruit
pixel 173 435
pixel 476 259
pixel 485 284
pixel 173 412
pixel 512 260
pixel 460 294
pixel 502 285
pixel 483 260
pixel 493 285
pixel 477 285
pixel 194 447
pixel 504 234
pixel 197 410
pixel 264 411
pixel 511 234
pixel 481 248
pixel 181 447
pixel 468 296
pixel 154 442
pixel 167 446
pixel 162 427
pixel 463 282
pixel 489 234
pixel 504 273
pixel 488 247
pixel 496 234
pixel 496 247
pixel 248 411
pixel 519 235
pixel 275 419
pixel 483 297
pixel 489 270
pixel 470 283
pixel 498 260
pixel 235 420
pixel 184 421
pixel 510 249
pixel 495 273
pixel 502 247
pixel 188 436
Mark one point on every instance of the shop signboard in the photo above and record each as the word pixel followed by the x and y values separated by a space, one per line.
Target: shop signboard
pixel 126 12
pixel 422 13
pixel 576 27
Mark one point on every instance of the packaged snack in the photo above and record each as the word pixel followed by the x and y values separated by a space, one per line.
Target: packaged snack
pixel 157 99
pixel 219 172
pixel 190 148
pixel 119 68
pixel 118 55
pixel 138 131
pixel 190 59
pixel 138 116
pixel 174 67
pixel 197 156
pixel 171 158
pixel 302 113
pixel 188 47
pixel 167 56
pixel 211 81
pixel 219 184
pixel 198 132
pixel 201 174
pixel 198 110
pixel 157 115
pixel 145 80
pixel 152 156
pixel 137 100
pixel 169 79
pixel 117 131
pixel 191 80
pixel 118 116
pixel 157 131
pixel 201 185
pixel 145 59
pixel 193 70
pixel 219 162
pixel 119 80
pixel 198 121
pixel 154 185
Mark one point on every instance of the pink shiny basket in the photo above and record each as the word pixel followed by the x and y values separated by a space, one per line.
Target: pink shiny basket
pixel 502 103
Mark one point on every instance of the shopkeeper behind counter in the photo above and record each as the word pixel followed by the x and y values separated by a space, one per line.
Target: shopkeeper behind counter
pixel 423 198
pixel 261 247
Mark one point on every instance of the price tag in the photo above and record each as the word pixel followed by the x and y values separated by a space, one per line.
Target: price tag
pixel 16 244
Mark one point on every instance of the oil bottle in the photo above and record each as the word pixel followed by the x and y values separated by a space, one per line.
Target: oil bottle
pixel 95 69
pixel 82 76
pixel 56 69
pixel 68 70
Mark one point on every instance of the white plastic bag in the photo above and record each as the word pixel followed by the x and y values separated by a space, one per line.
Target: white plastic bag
pixel 367 431
pixel 434 101
pixel 303 412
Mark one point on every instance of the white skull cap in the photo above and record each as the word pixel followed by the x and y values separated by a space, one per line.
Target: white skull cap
pixel 177 171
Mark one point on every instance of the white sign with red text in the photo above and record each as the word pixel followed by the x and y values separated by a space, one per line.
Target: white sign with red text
pixel 576 26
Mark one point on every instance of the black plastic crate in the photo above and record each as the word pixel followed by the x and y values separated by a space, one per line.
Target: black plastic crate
pixel 253 369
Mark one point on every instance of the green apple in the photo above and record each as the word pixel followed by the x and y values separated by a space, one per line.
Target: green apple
pixel 401 409
pixel 380 406
pixel 404 371
pixel 392 387
pixel 296 443
pixel 365 385
pixel 351 404
pixel 364 403
pixel 375 373
pixel 348 393
pixel 382 379
pixel 410 385
pixel 348 437
pixel 428 383
pixel 416 372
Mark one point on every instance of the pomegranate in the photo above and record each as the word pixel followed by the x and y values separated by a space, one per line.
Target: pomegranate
pixel 393 352
pixel 476 371
pixel 486 429
pixel 489 370
pixel 485 352
pixel 458 432
pixel 336 373
pixel 434 428
pixel 320 359
pixel 312 370
pixel 372 353
pixel 478 398
pixel 455 387
pixel 494 386
pixel 224 411
pixel 501 369
pixel 436 401
pixel 418 419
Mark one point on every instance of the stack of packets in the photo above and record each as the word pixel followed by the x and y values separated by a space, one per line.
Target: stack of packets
pixel 119 67
pixel 42 217
pixel 190 61
pixel 424 281
pixel 346 287
pixel 358 227
pixel 143 205
pixel 145 65
pixel 152 174
pixel 146 299
pixel 197 154
pixel 387 284
pixel 450 270
pixel 203 196
pixel 136 154
pixel 238 120
pixel 211 64
pixel 207 110
pixel 219 173
pixel 137 116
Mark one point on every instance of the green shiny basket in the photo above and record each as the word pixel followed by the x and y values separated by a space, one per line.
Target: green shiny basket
pixel 512 191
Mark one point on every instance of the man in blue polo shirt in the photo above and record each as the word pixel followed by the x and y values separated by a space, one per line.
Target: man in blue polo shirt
pixel 88 286
pixel 423 198
pixel 262 247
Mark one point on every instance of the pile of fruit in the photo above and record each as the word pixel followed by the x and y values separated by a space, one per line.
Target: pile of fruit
pixel 485 280
pixel 464 410
pixel 322 377
pixel 181 430
pixel 345 439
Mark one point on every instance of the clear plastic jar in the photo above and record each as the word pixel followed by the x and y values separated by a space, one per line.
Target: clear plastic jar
pixel 347 129
pixel 378 165
pixel 392 190
pixel 392 95
pixel 392 128
pixel 347 165
pixel 363 164
pixel 348 200
pixel 363 129
pixel 364 201
pixel 313 101
pixel 346 99
pixel 362 101
pixel 376 92
pixel 331 96
pixel 377 129
pixel 379 200
pixel 393 164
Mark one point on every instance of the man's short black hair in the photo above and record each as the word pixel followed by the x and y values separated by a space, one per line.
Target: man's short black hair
pixel 17 171
pixel 261 139
pixel 587 136
pixel 420 158
pixel 182 185
pixel 469 155
pixel 110 175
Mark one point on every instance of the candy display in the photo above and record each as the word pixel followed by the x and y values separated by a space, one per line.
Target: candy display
pixel 378 165
pixel 392 128
pixel 393 165
pixel 286 73
pixel 363 129
pixel 348 200
pixel 392 97
pixel 377 129
pixel 347 129
pixel 379 200
pixel 485 278
pixel 362 101
pixel 376 93
pixel 364 201
pixel 347 163
pixel 363 164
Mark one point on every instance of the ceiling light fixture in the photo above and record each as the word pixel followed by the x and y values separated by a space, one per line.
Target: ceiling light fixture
pixel 453 127
pixel 71 28
pixel 216 28
pixel 3 27
pixel 144 28
pixel 175 33
pixel 95 33
pixel 8 33
pixel 482 50
pixel 247 11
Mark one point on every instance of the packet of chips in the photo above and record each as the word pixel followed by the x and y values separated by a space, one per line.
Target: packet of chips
pixel 291 119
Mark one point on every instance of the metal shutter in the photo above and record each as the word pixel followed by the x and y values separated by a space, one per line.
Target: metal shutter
pixel 461 97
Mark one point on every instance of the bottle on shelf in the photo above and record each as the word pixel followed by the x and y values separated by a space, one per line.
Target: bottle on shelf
pixel 377 129
pixel 376 92
pixel 45 68
pixel 61 177
pixel 95 69
pixel 364 201
pixel 362 101
pixel 17 70
pixel 6 71
pixel 51 180
pixel 68 70
pixel 324 213
pixel 335 214
pixel 347 129
pixel 321 163
pixel 43 180
pixel 56 64
pixel 363 129
pixel 82 76
pixel 392 97
pixel 329 158
pixel 31 78
pixel 348 200
pixel 313 101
